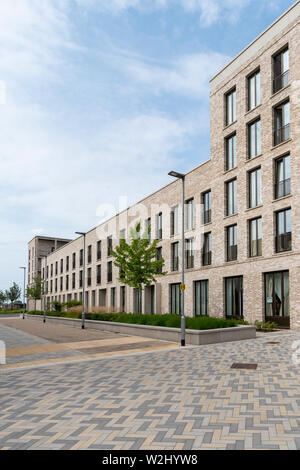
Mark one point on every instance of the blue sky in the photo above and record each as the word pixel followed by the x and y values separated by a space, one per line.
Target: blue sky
pixel 100 99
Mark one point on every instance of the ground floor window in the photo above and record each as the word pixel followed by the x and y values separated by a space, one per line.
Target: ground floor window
pixel 175 299
pixel 137 301
pixel 277 298
pixel 234 296
pixel 201 297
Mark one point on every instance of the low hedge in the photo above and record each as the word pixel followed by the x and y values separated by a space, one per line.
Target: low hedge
pixel 167 320
pixel 4 312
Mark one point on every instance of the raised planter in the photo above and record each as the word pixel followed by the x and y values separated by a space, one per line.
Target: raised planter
pixel 193 337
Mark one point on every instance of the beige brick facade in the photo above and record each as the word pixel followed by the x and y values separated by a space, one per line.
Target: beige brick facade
pixel 212 176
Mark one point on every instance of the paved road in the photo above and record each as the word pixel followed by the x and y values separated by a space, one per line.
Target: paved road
pixel 178 399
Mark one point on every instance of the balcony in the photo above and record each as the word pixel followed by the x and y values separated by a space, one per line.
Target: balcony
pixel 283 242
pixel 281 134
pixel 281 81
pixel 282 188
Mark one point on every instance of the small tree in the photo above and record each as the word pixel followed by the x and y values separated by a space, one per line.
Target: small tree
pixel 36 290
pixel 137 259
pixel 3 297
pixel 13 293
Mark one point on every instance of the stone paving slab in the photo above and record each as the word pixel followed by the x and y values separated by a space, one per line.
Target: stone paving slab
pixel 185 398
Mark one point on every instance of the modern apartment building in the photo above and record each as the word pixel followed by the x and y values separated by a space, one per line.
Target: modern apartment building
pixel 242 249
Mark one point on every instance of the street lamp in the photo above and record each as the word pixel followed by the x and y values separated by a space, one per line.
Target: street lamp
pixel 181 176
pixel 24 269
pixel 83 279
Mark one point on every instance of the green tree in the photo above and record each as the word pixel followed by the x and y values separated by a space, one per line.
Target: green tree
pixel 36 290
pixel 137 259
pixel 3 297
pixel 13 293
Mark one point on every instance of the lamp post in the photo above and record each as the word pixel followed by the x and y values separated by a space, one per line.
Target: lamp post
pixel 181 176
pixel 83 280
pixel 24 269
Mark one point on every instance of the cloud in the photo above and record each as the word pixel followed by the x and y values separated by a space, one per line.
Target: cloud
pixel 188 75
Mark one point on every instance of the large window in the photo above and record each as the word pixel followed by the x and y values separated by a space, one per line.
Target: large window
pixel 174 221
pixel 189 253
pixel 89 276
pixel 281 123
pixel 175 256
pixel 254 141
pixel 231 197
pixel 282 177
pixel 277 305
pixel 148 228
pixel 99 274
pixel 230 149
pixel 109 245
pixel 159 256
pixel 175 299
pixel 89 257
pixel 230 107
pixel 255 237
pixel 73 260
pixel 254 90
pixel 189 218
pixel 280 70
pixel 206 201
pixel 283 231
pixel 206 252
pixel 109 271
pixel 159 226
pixel 81 257
pixel 255 188
pixel 113 297
pixel 201 297
pixel 99 249
pixel 232 244
pixel 234 296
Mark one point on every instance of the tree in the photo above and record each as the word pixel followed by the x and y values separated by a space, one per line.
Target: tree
pixel 13 293
pixel 137 259
pixel 3 297
pixel 36 290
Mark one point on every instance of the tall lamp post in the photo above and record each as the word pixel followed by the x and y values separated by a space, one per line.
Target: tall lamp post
pixel 83 280
pixel 181 176
pixel 24 269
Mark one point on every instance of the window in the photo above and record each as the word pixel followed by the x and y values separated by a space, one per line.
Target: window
pixel 280 70
pixel 67 282
pixel 89 254
pixel 234 296
pixel 148 228
pixel 230 150
pixel 55 284
pixel 277 305
pixel 159 226
pixel 254 142
pixel 174 221
pixel 109 271
pixel 206 252
pixel 80 278
pixel 201 298
pixel 98 249
pixel 206 201
pixel 282 177
pixel 56 268
pixel 189 253
pixel 283 239
pixel 189 218
pixel 232 243
pixel 61 266
pixel 281 123
pixel 113 297
pixel 175 256
pixel 231 107
pixel 254 90
pixel 74 261
pixel 255 188
pixel 231 197
pixel 175 299
pixel 51 286
pixel 109 245
pixel 89 276
pixel 255 237
pixel 67 263
pixel 81 257
pixel 73 281
pixel 51 270
pixel 99 274
pixel 159 256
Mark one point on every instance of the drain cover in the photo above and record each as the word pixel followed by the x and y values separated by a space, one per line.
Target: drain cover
pixel 273 342
pixel 241 365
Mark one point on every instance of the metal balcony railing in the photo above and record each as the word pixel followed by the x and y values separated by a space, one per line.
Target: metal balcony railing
pixel 206 258
pixel 231 252
pixel 281 81
pixel 207 216
pixel 283 242
pixel 281 134
pixel 282 188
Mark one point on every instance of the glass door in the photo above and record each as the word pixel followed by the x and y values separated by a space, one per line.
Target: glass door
pixel 277 308
pixel 234 296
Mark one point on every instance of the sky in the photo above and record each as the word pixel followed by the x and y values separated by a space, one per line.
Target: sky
pixel 100 99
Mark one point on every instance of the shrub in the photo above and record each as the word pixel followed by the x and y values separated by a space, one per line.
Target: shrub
pixel 265 325
pixel 57 306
